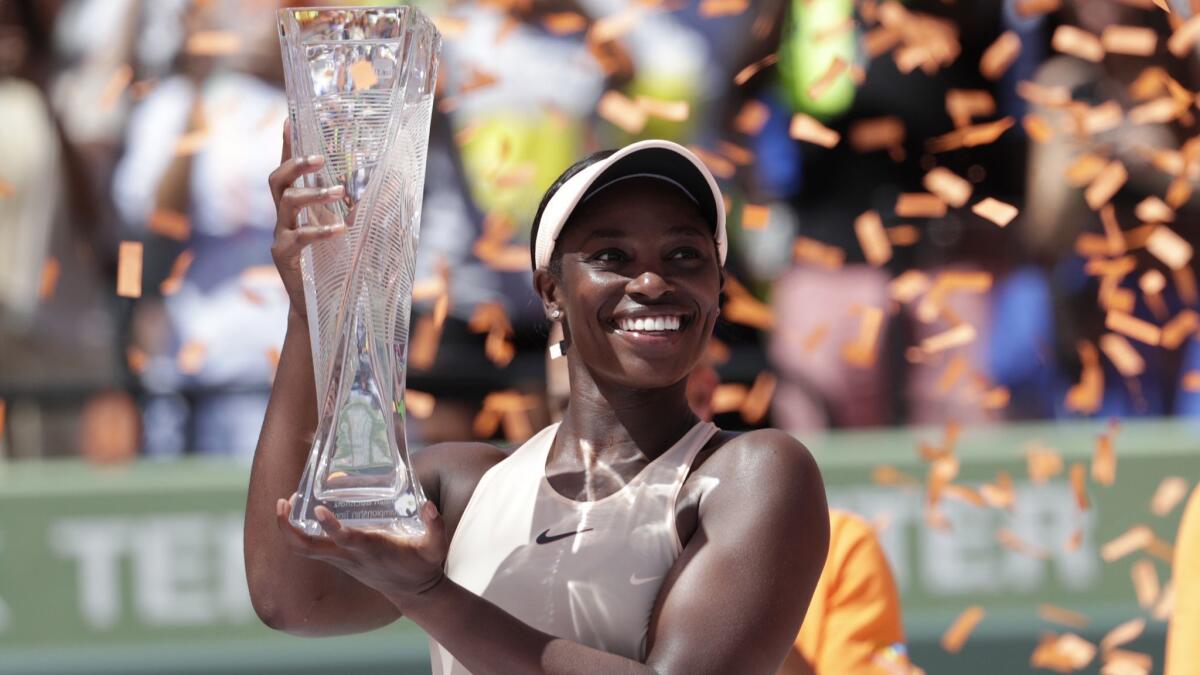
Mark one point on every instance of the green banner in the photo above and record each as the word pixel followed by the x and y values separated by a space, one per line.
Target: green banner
pixel 139 568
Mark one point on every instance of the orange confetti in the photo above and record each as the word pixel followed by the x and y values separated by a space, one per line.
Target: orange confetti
pixel 1043 463
pixel 758 399
pixel 951 375
pixel 996 398
pixel 1077 42
pixel 962 334
pixel 1104 459
pixel 1130 40
pixel 822 84
pixel 1179 328
pixel 1079 486
pixel 1154 210
pixel 1131 326
pixel 362 73
pixel 728 397
pixel 564 23
pixel 1000 494
pixel 748 311
pixel 1173 250
pixel 751 118
pixel 672 111
pixel 862 352
pixel 868 227
pixel 1029 8
pixel 418 403
pixel 948 186
pixel 919 205
pixel 1145 582
pixel 813 251
pixel 736 153
pixel 721 167
pixel 1123 662
pixel 1062 616
pixel 996 211
pixel 622 112
pixel 1122 634
pixel 753 69
pixel 890 475
pixel 129 269
pixel 808 129
pixel 956 635
pixel 191 357
pixel 1122 354
pixel 713 8
pixel 815 337
pixel 1085 396
pixel 1191 381
pixel 117 84
pixel 969 137
pixel 1063 653
pixel 3 414
pixel 1074 541
pixel 170 224
pixel 613 26
pixel 962 105
pixel 1170 492
pixel 1038 129
pixel 1011 541
pixel 49 278
pixel 213 43
pixel 1135 538
pixel 1184 37
pixel 755 216
pixel 1000 55
pixel 1106 184
pixel 422 350
pixel 179 268
pixel 878 133
pixel 903 235
pixel 1084 169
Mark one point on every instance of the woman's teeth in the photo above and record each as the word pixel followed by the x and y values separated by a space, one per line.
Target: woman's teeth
pixel 650 323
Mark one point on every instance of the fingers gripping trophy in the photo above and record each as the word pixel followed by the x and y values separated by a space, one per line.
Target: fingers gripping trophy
pixel 360 85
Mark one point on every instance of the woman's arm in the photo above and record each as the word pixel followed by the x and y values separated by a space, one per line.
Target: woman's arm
pixel 733 602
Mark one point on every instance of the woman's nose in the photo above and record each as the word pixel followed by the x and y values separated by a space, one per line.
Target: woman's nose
pixel 649 285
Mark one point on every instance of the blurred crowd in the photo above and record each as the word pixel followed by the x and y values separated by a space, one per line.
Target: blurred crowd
pixel 941 211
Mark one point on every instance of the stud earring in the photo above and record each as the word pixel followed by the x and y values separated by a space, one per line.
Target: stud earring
pixel 555 314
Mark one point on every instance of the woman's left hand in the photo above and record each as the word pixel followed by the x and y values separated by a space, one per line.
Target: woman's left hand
pixel 399 566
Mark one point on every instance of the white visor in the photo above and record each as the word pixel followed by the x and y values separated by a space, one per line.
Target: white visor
pixel 652 158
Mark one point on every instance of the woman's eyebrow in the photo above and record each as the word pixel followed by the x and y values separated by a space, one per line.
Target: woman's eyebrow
pixel 687 229
pixel 605 234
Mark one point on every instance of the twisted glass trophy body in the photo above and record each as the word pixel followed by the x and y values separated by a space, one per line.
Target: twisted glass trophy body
pixel 360 87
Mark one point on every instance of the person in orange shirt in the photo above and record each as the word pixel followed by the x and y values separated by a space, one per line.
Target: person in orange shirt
pixel 853 623
pixel 1183 637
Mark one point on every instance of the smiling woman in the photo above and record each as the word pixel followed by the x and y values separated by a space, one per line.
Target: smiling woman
pixel 630 537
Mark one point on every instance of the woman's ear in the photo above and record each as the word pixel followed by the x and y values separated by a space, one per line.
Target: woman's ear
pixel 547 289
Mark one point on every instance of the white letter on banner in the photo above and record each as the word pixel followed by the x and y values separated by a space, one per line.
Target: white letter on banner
pixel 174 562
pixel 96 544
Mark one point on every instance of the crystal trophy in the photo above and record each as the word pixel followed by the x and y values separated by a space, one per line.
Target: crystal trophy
pixel 360 85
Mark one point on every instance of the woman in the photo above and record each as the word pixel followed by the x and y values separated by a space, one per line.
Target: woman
pixel 630 537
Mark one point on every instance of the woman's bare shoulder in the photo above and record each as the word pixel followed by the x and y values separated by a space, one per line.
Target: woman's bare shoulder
pixel 449 473
pixel 758 453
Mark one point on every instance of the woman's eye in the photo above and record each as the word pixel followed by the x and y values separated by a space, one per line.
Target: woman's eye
pixel 686 253
pixel 609 255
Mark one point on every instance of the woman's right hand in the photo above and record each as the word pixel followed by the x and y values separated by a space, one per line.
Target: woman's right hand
pixel 290 238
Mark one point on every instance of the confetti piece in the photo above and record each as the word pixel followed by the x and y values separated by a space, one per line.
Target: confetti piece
pixel 1154 210
pixel 1158 111
pixel 672 111
pixel 1106 184
pixel 564 23
pixel 191 142
pixel 1038 129
pixel 213 43
pixel 710 9
pixel 969 137
pixel 1135 538
pixel 962 334
pixel 1185 284
pixel 1179 328
pixel 3 415
pixel 1190 382
pixel 1062 616
pixel 1174 251
pixel 1165 607
pixel 889 475
pixel 951 375
pixel 1178 192
pixel 919 205
pixel 48 280
pixel 868 227
pixel 129 269
pixel 191 356
pixel 743 76
pixel 718 165
pixel 818 253
pixel 821 85
pixel 903 235
pixel 1000 55
pixel 1122 662
pixel 1011 541
pixel 956 635
pixel 862 352
pixel 996 211
pixel 1130 40
pixel 751 118
pixel 1063 653
pixel 1104 459
pixel 419 404
pixel 422 350
pixel 1184 37
pixel 116 85
pixel 1084 169
pixel 758 399
pixel 1090 121
pixel 1078 475
pixel 755 216
pixel 179 268
pixel 728 397
pixel 1122 354
pixel 808 129
pixel 1077 42
pixel 613 26
pixel 877 133
pixel 962 105
pixel 1042 463
pixel 996 398
pixel 1123 634
pixel 948 186
pixel 1085 396
pixel 1131 326
pixel 815 337
pixel 736 153
pixel 622 112
pixel 1145 582
pixel 999 494
pixel 748 311
pixel 1170 492
pixel 1030 8
pixel 880 40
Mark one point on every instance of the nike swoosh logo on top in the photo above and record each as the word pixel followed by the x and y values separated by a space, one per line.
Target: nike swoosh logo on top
pixel 545 537
pixel 638 581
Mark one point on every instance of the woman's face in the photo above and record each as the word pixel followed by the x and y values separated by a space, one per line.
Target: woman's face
pixel 640 284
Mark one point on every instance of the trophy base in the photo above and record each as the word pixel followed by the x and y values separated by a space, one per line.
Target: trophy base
pixel 375 516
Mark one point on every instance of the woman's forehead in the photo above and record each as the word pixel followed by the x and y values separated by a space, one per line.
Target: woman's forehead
pixel 638 205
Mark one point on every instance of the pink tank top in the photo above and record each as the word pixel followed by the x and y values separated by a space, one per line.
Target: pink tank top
pixel 584 571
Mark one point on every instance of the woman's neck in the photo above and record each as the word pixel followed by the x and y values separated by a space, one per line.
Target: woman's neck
pixel 623 424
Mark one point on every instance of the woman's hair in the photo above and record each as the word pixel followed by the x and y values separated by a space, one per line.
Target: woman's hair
pixel 556 256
